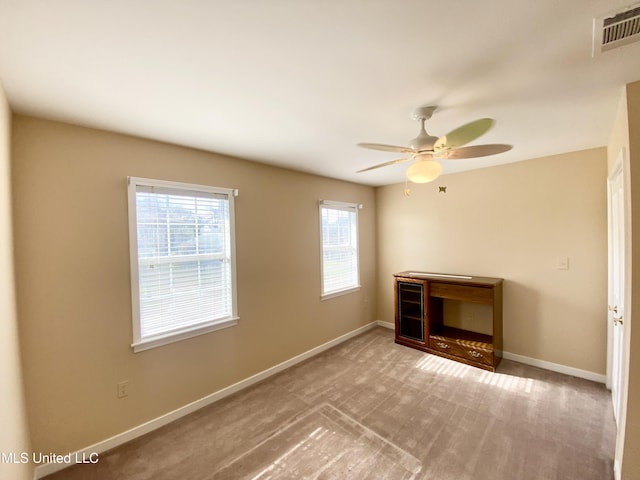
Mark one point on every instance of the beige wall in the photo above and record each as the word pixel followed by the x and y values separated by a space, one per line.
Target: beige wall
pixel 14 432
pixel 627 134
pixel 513 221
pixel 74 301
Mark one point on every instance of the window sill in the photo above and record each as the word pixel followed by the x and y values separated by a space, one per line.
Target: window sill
pixel 327 296
pixel 160 340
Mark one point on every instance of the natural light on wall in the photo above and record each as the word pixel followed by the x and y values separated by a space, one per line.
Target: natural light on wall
pixel 339 244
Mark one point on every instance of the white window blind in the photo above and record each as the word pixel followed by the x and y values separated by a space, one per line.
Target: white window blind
pixel 339 240
pixel 183 267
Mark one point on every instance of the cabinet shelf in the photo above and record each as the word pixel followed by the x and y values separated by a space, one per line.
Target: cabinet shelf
pixel 420 320
pixel 412 302
pixel 466 336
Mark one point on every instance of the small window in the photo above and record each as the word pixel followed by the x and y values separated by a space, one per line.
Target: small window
pixel 339 243
pixel 182 260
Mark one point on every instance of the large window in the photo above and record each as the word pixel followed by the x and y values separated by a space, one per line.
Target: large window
pixel 182 260
pixel 339 241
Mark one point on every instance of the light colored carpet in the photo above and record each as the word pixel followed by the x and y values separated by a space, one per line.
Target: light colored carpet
pixel 458 422
pixel 323 443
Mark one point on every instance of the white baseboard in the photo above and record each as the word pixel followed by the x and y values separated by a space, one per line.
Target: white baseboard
pixel 389 325
pixel 555 367
pixel 135 432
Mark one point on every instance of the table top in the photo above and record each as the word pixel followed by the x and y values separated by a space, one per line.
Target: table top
pixel 450 278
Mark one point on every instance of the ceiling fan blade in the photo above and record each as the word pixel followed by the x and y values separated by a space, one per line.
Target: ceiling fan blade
pixel 473 151
pixel 464 134
pixel 387 148
pixel 392 162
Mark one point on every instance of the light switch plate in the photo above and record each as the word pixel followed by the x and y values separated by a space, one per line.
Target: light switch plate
pixel 563 263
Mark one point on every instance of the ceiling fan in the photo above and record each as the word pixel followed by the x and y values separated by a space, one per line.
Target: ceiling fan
pixel 425 149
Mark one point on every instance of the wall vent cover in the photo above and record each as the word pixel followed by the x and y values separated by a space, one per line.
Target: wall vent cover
pixel 616 29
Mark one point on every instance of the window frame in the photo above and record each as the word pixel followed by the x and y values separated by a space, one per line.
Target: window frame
pixel 139 343
pixel 344 206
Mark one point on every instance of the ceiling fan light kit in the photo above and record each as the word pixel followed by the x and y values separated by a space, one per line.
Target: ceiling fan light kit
pixel 425 149
pixel 424 171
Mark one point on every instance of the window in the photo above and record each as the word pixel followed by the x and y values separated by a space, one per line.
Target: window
pixel 182 260
pixel 339 243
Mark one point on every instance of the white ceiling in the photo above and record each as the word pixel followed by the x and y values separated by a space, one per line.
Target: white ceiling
pixel 297 83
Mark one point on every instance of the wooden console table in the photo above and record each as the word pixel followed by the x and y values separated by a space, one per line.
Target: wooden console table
pixel 420 322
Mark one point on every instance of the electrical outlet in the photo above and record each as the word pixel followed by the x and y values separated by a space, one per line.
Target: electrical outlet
pixel 123 389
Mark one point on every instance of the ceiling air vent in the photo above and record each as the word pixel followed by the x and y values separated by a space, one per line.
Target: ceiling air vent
pixel 616 29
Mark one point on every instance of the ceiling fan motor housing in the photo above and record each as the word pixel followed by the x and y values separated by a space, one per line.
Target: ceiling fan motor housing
pixel 423 141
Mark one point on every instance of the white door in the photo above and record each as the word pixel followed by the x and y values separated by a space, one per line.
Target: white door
pixel 615 318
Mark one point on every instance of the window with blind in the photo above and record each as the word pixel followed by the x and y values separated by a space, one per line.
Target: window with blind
pixel 339 243
pixel 182 260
